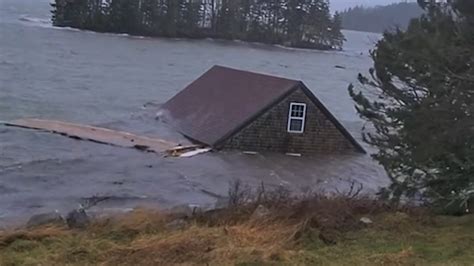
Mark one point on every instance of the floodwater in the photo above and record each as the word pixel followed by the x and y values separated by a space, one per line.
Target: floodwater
pixel 118 82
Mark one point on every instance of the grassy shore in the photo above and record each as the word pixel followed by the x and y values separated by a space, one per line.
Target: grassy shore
pixel 319 231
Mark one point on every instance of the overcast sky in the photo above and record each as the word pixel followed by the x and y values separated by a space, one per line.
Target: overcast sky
pixel 338 5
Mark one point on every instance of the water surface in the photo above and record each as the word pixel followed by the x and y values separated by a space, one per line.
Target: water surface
pixel 118 81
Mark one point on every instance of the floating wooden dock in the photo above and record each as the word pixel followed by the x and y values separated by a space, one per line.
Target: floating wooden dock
pixel 101 135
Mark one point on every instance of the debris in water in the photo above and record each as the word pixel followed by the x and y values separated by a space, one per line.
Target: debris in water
pixel 95 134
pixel 195 152
pixel 108 136
pixel 179 151
pixel 294 154
pixel 141 147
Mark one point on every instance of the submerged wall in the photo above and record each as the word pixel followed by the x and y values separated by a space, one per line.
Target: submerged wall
pixel 269 132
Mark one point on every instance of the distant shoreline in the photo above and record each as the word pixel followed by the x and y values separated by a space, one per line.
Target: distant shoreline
pixel 302 45
pixel 47 24
pixel 293 24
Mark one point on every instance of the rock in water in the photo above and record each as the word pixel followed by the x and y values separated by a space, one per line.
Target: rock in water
pixel 182 211
pixel 44 219
pixel 77 219
pixel 222 203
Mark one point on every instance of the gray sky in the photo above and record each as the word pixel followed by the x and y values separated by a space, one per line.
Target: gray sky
pixel 339 5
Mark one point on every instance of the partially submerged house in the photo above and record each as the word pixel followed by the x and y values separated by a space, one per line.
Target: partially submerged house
pixel 233 109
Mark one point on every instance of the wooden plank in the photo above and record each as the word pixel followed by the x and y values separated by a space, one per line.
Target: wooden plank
pixel 96 134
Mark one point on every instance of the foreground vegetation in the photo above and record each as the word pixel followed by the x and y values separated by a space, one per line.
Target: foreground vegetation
pixel 419 105
pixel 296 23
pixel 273 229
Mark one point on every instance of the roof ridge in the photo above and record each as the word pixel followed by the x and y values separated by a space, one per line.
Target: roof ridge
pixel 268 75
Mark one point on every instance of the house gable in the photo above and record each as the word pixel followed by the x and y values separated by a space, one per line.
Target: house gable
pixel 222 100
pixel 269 130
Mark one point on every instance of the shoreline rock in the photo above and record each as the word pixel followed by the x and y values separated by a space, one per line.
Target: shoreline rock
pixel 45 219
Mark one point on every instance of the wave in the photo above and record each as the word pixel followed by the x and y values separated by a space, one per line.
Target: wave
pixel 126 35
pixel 46 23
pixel 5 63
pixel 346 51
pixel 261 45
pixel 37 21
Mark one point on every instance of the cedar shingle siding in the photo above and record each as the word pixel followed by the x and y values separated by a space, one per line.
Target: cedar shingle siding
pixel 269 131
pixel 227 108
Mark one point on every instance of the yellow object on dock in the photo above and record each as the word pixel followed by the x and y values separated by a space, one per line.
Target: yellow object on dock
pixel 97 134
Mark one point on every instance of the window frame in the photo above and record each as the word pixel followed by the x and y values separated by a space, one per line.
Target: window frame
pixel 291 118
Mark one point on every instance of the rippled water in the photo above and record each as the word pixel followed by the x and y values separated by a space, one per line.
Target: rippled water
pixel 118 81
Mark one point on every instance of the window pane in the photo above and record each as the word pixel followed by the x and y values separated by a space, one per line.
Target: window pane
pixel 297 112
pixel 296 125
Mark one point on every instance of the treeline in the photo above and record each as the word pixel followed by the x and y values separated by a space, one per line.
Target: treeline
pixel 380 18
pixel 296 23
pixel 419 105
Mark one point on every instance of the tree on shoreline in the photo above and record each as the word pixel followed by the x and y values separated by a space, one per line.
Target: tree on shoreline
pixel 298 23
pixel 423 115
pixel 380 18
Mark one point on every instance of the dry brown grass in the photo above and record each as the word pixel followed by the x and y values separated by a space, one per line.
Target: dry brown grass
pixel 296 231
pixel 200 244
pixel 133 223
pixel 189 245
pixel 141 238
pixel 35 234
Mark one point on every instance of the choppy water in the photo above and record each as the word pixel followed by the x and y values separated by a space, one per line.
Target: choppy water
pixel 118 81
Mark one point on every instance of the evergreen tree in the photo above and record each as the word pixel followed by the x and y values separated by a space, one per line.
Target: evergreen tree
pixel 380 18
pixel 172 17
pixel 422 118
pixel 124 16
pixel 150 17
pixel 190 16
pixel 70 13
pixel 255 28
pixel 318 23
pixel 302 23
pixel 295 19
pixel 336 36
pixel 227 19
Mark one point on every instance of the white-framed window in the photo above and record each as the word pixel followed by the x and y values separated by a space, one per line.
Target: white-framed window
pixel 296 117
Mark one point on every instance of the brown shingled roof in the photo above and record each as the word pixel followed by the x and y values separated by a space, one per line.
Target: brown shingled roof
pixel 221 100
pixel 224 100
